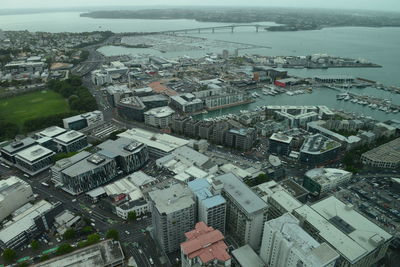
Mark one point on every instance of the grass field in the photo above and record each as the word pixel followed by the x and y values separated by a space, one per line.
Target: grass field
pixel 32 105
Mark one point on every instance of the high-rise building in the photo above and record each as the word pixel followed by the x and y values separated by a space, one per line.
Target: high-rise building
pixel 242 139
pixel 173 214
pixel 279 144
pixel 246 212
pixel 211 208
pixel 14 193
pixel 204 246
pixel 286 244
pixel 88 174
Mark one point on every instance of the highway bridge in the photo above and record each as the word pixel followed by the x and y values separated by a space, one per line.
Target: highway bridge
pixel 257 28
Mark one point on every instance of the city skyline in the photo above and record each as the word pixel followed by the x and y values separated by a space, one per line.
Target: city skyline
pixel 385 5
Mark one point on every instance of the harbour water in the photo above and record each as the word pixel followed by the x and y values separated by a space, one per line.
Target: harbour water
pixel 378 45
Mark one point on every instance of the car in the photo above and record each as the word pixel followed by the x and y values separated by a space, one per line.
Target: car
pixel 140 251
pixel 74 200
pixel 127 232
pixel 151 260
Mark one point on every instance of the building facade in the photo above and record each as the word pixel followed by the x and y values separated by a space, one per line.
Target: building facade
pixel 173 214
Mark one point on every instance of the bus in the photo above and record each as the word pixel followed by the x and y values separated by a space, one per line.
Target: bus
pixel 45 184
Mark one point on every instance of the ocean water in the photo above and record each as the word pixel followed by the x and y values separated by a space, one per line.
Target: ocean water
pixel 378 45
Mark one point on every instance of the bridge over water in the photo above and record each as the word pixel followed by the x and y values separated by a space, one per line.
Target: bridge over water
pixel 257 28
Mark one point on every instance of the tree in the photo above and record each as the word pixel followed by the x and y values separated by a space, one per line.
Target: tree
pixel 132 216
pixel 64 249
pixel 9 255
pixel 93 238
pixel 44 258
pixel 112 233
pixel 35 244
pixel 69 234
pixel 87 229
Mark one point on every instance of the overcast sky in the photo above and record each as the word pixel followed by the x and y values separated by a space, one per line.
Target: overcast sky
pixel 390 5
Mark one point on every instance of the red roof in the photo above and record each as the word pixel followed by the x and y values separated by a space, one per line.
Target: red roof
pixel 159 88
pixel 206 243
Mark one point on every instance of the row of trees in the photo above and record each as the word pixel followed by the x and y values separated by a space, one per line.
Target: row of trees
pixel 10 255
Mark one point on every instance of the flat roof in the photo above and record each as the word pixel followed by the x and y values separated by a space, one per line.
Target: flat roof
pixel 87 115
pixel 164 142
pixel 318 143
pixel 89 163
pixel 351 234
pixel 34 152
pixel 308 248
pixel 65 163
pixel 160 112
pixel 9 185
pixel 16 146
pixel 242 194
pixel 121 146
pixel 69 136
pixel 24 221
pixel 247 257
pixel 52 131
pixel 140 178
pixel 389 152
pixel 327 175
pixel 105 253
pixel 286 200
pixel 172 199
pixel 187 153
pixel 283 138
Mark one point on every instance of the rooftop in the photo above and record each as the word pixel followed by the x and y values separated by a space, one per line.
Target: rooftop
pixel 87 115
pixel 15 146
pixel 281 138
pixel 52 131
pixel 9 185
pixel 120 147
pixel 326 175
pixel 65 163
pixel 389 152
pixel 247 257
pixel 69 136
pixel 106 253
pixel 242 194
pixel 89 163
pixel 164 142
pixel 160 112
pixel 288 226
pixel 172 199
pixel 24 221
pixel 318 144
pixel 206 243
pixel 347 231
pixel 34 153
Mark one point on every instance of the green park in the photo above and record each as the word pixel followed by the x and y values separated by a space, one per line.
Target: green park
pixel 34 105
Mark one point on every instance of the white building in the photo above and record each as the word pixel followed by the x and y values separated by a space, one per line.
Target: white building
pixel 71 141
pixel 173 214
pixel 159 117
pixel 359 241
pixel 246 212
pixel 34 159
pixel 285 244
pixel 14 193
pixel 322 180
pixel 84 120
pixel 52 132
pixel 159 145
pixel 211 208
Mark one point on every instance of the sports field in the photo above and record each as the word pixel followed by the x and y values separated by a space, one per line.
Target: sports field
pixel 32 105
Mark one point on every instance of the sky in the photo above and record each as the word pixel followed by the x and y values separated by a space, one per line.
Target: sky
pixel 389 5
